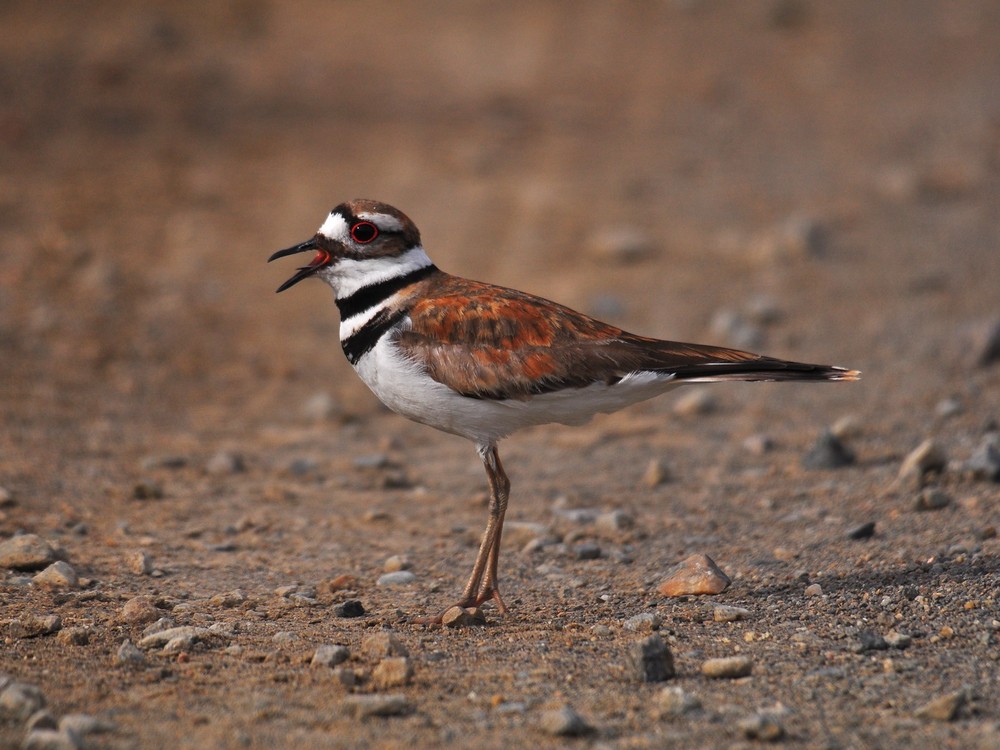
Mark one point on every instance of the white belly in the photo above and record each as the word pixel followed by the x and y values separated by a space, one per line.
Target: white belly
pixel 407 390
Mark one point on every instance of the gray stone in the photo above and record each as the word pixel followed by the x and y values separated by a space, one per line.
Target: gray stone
pixel 26 552
pixel 727 667
pixel 19 700
pixel 365 706
pixel 349 608
pixel 32 626
pixel 828 452
pixel 330 655
pixel 895 639
pixel 864 531
pixel 870 641
pixel 129 655
pixel 813 589
pixel 645 622
pixel 932 498
pixel 398 578
pixel 985 461
pixel 650 660
pixel 587 551
pixel 78 635
pixel 726 613
pixel 58 575
pixel 563 722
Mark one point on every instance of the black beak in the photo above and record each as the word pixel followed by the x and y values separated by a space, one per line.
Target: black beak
pixel 322 259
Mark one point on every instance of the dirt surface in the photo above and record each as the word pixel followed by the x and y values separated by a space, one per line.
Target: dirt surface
pixel 819 181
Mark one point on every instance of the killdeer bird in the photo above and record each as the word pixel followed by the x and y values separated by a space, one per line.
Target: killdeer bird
pixel 482 361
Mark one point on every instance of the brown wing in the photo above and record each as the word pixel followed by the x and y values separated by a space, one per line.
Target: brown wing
pixel 490 342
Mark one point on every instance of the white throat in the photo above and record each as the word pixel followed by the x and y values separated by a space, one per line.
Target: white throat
pixel 348 275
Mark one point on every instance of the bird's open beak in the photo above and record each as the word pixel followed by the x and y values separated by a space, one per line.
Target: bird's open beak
pixel 323 258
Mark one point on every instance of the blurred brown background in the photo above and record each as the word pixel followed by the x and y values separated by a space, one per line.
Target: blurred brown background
pixel 816 180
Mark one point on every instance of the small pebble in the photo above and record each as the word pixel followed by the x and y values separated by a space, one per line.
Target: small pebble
pixel 932 498
pixel 139 609
pixel 382 645
pixel 229 599
pixel 330 655
pixel 78 635
pixel 83 724
pixel 349 608
pixel 365 706
pixel 758 444
pixel 41 719
pixel 32 626
pixel 50 739
pixel 392 672
pixel 646 622
pixel 650 660
pixel 698 575
pixel 942 708
pixel 898 640
pixel 460 617
pixel 563 722
pixel 26 552
pixel 864 531
pixel 613 520
pixel 180 635
pixel 147 489
pixel 870 641
pixel 284 638
pixel 129 654
pixel 984 464
pixel 19 700
pixel 656 473
pixel 726 613
pixel 346 676
pixel 988 346
pixel 319 407
pixel 587 551
pixel 225 463
pixel 139 563
pixel 59 575
pixel 763 727
pixel 926 458
pixel 828 452
pixel 727 667
pixel 675 701
pixel 7 498
pixel 396 563
pixel 623 244
pixel 398 578
pixel 813 589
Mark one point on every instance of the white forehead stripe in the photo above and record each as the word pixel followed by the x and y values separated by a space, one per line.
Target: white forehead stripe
pixel 335 227
pixel 382 221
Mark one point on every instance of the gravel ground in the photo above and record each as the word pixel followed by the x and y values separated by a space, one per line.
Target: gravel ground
pixel 211 535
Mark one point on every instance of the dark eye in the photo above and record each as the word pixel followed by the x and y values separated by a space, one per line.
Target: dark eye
pixel 364 232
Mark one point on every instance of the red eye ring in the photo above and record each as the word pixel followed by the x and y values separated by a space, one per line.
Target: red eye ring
pixel 364 232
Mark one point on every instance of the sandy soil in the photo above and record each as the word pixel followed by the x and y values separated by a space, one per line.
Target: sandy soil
pixel 819 181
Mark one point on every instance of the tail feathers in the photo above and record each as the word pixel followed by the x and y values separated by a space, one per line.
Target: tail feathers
pixel 763 369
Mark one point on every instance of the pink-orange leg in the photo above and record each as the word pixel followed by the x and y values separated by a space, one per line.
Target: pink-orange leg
pixel 484 584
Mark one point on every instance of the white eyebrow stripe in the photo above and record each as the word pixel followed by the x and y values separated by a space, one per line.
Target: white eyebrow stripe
pixel 382 221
